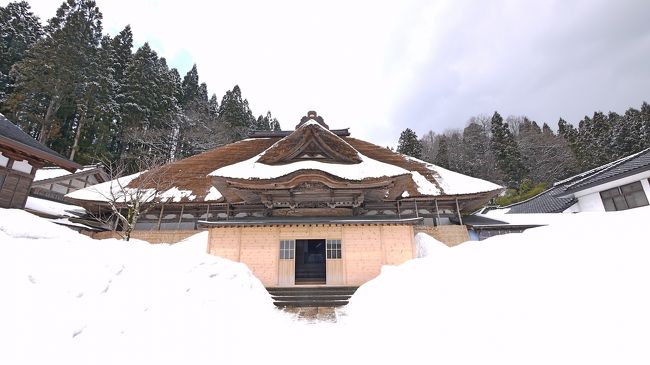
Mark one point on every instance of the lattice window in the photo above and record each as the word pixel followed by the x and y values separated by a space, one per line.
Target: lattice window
pixel 333 248
pixel 624 197
pixel 287 249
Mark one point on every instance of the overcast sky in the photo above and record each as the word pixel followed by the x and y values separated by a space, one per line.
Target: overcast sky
pixel 381 66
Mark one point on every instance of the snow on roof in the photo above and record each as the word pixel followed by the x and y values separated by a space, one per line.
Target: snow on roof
pixel 46 173
pixel 52 207
pixel 213 194
pixel 106 191
pixel 251 169
pixel 174 194
pixel 454 183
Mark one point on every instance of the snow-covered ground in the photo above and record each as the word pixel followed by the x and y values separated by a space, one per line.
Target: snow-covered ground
pixel 575 292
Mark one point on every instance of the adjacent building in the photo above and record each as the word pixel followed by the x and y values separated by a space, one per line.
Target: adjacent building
pixel 20 157
pixel 619 185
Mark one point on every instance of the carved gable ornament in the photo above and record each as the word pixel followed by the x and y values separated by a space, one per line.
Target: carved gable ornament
pixel 311 141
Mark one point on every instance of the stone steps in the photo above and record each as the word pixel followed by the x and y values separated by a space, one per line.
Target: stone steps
pixel 316 296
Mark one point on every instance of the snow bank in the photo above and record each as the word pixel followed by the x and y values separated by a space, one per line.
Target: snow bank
pixel 574 292
pixel 68 298
pixel 571 293
pixel 426 245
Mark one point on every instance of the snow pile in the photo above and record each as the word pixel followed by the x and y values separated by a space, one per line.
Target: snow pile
pixel 68 298
pixel 426 245
pixel 571 293
pixel 574 292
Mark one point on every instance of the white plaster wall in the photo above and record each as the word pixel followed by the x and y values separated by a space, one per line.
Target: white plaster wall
pixel 646 188
pixel 3 160
pixel 22 166
pixel 575 208
pixel 626 180
pixel 589 199
pixel 591 203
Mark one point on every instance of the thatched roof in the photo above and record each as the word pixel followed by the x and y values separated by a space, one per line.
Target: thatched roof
pixel 267 160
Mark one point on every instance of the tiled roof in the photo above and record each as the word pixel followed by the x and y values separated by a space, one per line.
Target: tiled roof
pixel 549 201
pixel 623 167
pixel 559 197
pixel 11 133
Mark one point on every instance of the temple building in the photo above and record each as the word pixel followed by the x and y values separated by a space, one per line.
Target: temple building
pixel 308 206
pixel 21 156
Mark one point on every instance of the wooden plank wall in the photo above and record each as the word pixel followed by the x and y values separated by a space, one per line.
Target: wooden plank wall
pixel 15 189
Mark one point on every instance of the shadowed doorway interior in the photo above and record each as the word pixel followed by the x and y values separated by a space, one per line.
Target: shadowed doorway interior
pixel 310 262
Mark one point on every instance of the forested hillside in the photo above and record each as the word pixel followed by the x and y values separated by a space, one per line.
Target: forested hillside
pixel 88 96
pixel 526 157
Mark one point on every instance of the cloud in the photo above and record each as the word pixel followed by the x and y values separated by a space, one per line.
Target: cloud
pixel 381 66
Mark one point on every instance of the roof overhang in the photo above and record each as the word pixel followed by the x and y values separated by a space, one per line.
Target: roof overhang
pixel 570 192
pixel 279 221
pixel 54 159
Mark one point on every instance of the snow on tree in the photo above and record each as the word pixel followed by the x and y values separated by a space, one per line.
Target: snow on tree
pixel 235 116
pixel 506 152
pixel 19 30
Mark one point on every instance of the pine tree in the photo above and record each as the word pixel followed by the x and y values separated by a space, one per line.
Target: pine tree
pixel 19 30
pixel 409 144
pixel 506 152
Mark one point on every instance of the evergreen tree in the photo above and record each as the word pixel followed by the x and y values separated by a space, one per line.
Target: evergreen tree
pixel 54 72
pixel 429 146
pixel 19 30
pixel 506 152
pixel 149 106
pixel 442 157
pixel 479 160
pixel 409 144
pixel 96 108
pixel 266 123
pixel 235 116
pixel 644 122
pixel 196 128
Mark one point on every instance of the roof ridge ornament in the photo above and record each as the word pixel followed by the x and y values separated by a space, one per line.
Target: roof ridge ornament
pixel 312 115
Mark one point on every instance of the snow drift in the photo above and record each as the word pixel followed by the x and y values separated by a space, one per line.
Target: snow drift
pixel 574 292
pixel 571 293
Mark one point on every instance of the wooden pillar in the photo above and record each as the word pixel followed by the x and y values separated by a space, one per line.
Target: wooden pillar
pixel 417 214
pixel 162 209
pixel 437 213
pixel 180 217
pixel 460 218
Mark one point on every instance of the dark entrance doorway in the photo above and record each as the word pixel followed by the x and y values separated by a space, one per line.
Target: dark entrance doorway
pixel 310 262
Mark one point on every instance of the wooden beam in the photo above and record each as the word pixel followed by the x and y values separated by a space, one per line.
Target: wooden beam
pixel 162 209
pixel 437 213
pixel 460 218
pixel 180 217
